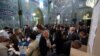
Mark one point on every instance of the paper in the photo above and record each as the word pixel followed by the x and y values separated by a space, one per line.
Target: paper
pixel 94 25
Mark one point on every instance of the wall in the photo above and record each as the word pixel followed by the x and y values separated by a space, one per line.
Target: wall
pixel 94 39
pixel 8 13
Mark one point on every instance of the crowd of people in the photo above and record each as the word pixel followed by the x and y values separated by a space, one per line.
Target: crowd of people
pixel 43 40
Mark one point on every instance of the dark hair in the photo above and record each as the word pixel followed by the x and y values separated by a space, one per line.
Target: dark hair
pixel 33 35
pixel 76 44
pixel 41 27
pixel 6 28
pixel 81 23
pixel 16 29
pixel 84 31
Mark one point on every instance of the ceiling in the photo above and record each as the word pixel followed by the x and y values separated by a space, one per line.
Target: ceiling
pixel 66 8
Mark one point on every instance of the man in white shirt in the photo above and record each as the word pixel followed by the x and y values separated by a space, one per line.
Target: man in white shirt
pixel 4 32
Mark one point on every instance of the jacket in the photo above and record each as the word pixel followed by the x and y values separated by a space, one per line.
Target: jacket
pixel 33 49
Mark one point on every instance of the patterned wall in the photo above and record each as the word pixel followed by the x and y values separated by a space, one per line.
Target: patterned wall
pixel 8 13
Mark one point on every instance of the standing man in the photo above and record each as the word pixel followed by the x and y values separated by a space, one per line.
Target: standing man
pixel 45 44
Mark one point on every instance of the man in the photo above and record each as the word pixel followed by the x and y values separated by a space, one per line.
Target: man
pixel 67 47
pixel 58 40
pixel 40 29
pixel 72 35
pixel 70 41
pixel 28 30
pixel 16 38
pixel 83 37
pixel 45 43
pixel 33 48
pixel 4 41
pixel 4 32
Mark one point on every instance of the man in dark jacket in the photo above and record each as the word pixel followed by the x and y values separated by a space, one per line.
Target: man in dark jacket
pixel 16 38
pixel 28 31
pixel 45 43
pixel 72 35
pixel 58 41
pixel 43 46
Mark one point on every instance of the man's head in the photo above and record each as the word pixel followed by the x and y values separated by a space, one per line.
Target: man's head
pixel 72 29
pixel 6 28
pixel 26 26
pixel 40 28
pixel 76 44
pixel 46 33
pixel 35 28
pixel 82 33
pixel 17 31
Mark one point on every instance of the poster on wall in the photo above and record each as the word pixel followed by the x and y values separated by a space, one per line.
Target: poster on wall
pixel 94 25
